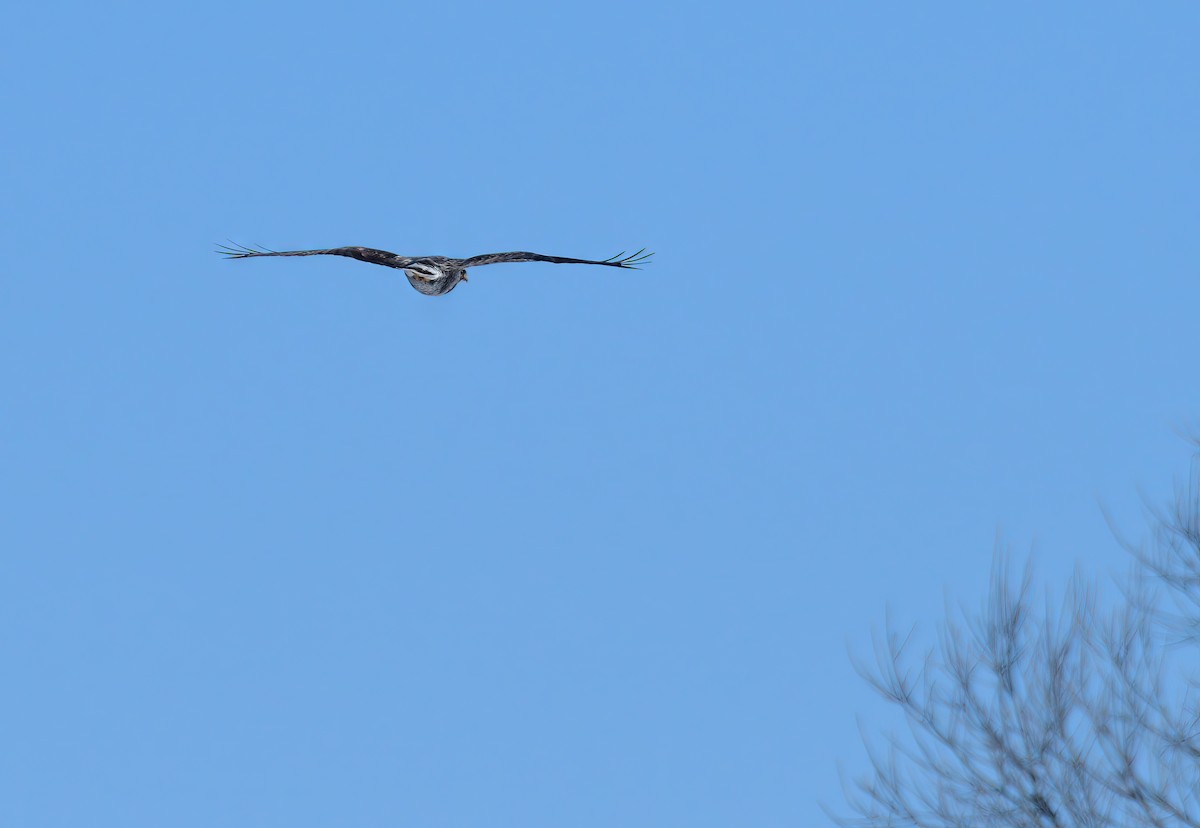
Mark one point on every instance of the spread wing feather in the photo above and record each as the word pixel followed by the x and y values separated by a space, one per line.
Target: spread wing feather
pixel 620 260
pixel 363 254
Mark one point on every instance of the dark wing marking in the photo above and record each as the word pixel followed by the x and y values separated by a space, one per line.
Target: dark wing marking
pixel 363 254
pixel 619 260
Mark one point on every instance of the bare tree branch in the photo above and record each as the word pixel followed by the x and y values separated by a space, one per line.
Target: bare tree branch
pixel 1055 714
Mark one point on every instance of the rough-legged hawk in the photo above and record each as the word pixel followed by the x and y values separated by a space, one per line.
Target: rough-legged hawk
pixel 436 275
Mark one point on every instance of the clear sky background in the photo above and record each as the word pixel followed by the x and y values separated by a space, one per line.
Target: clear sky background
pixel 286 543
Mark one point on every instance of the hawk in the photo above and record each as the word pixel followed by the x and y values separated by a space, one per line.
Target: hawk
pixel 436 275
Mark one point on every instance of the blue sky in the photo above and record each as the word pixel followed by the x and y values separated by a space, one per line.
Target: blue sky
pixel 286 543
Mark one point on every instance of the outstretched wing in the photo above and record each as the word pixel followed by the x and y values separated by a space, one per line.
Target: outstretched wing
pixel 363 254
pixel 619 260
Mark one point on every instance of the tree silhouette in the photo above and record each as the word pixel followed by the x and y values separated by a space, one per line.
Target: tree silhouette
pixel 1031 713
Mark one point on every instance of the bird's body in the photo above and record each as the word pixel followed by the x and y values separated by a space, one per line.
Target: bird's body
pixel 437 275
pixel 434 275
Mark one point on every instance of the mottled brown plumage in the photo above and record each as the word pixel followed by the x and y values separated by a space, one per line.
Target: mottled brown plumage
pixel 436 275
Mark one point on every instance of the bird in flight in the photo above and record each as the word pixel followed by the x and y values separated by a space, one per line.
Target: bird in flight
pixel 435 275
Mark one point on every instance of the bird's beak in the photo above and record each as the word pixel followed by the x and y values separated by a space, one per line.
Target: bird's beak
pixel 465 276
